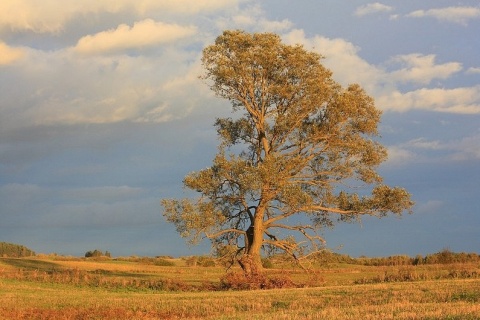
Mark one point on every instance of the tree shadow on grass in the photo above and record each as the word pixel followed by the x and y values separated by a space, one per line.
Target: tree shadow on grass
pixel 30 264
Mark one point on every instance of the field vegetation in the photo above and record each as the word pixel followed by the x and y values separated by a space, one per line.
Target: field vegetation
pixel 338 287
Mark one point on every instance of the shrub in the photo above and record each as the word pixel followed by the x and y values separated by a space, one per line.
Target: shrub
pixel 163 262
pixel 96 254
pixel 239 281
pixel 206 261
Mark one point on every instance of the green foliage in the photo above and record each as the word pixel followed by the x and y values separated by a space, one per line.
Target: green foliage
pixel 14 250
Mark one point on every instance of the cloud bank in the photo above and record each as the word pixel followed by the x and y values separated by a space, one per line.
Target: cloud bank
pixel 142 34
pixel 51 17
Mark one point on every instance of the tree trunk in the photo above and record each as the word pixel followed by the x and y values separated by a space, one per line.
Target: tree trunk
pixel 251 265
pixel 251 261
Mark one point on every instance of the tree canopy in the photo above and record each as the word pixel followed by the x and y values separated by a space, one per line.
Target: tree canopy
pixel 300 146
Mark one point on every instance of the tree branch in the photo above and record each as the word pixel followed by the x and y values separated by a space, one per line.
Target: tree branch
pixel 216 235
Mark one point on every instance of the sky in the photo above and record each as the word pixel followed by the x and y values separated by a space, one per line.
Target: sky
pixel 102 114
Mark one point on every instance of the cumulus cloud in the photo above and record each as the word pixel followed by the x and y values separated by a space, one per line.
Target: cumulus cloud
pixel 142 34
pixel 372 8
pixel 341 57
pixel 52 16
pixel 458 100
pixel 9 54
pixel 253 17
pixel 59 88
pixel 422 68
pixel 460 15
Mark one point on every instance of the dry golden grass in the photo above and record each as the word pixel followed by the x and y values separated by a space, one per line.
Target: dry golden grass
pixel 24 296
pixel 452 299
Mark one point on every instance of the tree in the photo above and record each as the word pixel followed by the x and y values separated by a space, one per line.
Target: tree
pixel 96 253
pixel 301 148
pixel 15 250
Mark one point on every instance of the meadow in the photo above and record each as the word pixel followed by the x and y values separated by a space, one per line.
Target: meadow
pixel 49 287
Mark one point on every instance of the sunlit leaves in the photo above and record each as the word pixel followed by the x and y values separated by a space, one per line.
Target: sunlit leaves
pixel 301 145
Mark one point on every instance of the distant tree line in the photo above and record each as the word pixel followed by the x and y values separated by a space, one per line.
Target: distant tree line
pixel 13 250
pixel 97 253
pixel 445 256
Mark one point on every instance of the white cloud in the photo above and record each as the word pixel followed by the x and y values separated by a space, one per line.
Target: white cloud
pixel 142 34
pixel 424 150
pixel 51 16
pixel 422 68
pixel 415 150
pixel 473 70
pixel 458 100
pixel 341 57
pixel 9 54
pixel 253 17
pixel 398 155
pixel 422 143
pixel 59 88
pixel 459 15
pixel 372 8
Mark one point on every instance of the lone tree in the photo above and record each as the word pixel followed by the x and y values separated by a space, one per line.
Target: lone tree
pixel 302 147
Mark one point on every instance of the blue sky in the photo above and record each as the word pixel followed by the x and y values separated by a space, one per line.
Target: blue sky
pixel 102 114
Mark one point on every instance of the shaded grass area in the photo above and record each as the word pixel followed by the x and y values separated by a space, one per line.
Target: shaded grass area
pixel 31 264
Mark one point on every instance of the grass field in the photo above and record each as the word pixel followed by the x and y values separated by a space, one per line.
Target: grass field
pixel 52 289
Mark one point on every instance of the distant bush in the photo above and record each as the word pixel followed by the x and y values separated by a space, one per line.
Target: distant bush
pixel 163 262
pixel 448 257
pixel 204 261
pixel 200 261
pixel 14 250
pixel 96 254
